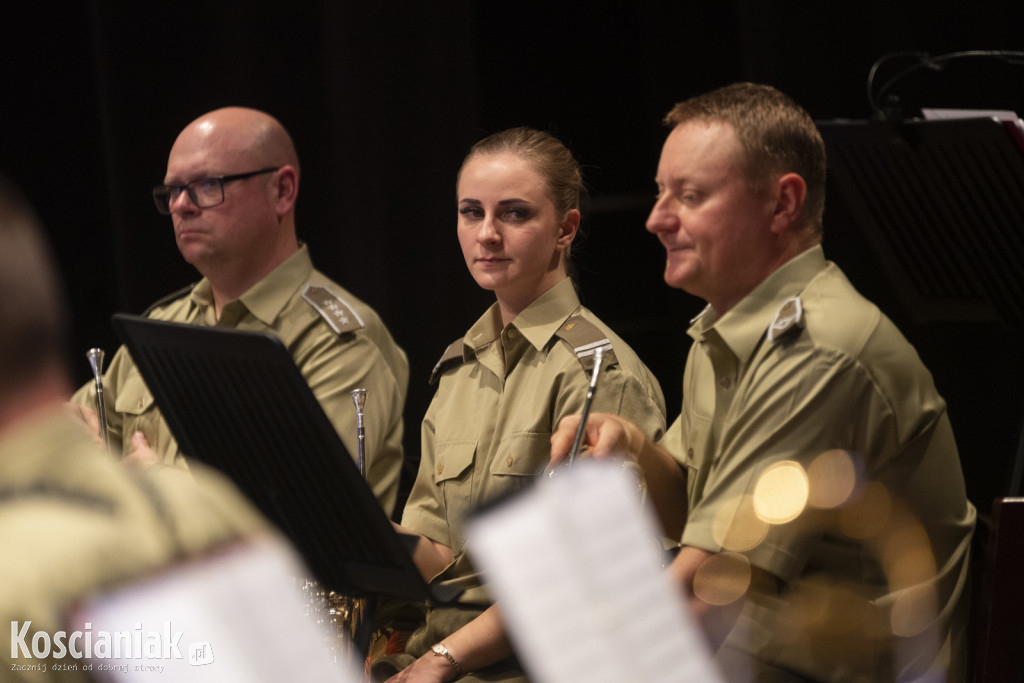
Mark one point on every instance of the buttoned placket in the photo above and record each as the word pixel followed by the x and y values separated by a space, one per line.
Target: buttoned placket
pixel 726 370
pixel 512 342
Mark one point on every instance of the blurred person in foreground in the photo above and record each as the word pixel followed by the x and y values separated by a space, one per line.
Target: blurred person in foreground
pixel 503 387
pixel 231 187
pixel 812 476
pixel 72 521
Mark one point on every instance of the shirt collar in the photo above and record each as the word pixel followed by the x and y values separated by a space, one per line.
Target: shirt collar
pixel 267 298
pixel 538 322
pixel 743 325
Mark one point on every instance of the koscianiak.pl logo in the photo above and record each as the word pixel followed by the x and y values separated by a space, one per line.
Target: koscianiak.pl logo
pixel 99 645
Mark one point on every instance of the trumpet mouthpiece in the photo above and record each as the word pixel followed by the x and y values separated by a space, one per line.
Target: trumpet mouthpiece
pixel 359 397
pixel 95 357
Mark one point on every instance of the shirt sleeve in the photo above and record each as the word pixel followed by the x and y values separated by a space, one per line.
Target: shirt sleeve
pixel 334 367
pixel 794 410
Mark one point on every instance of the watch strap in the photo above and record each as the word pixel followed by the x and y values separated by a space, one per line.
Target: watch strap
pixel 441 651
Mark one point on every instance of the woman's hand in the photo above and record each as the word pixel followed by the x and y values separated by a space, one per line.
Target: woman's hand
pixel 429 668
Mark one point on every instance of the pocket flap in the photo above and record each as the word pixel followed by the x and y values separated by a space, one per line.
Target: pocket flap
pixel 522 454
pixel 133 397
pixel 453 458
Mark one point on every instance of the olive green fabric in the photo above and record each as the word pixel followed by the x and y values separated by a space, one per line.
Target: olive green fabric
pixel 73 522
pixel 363 355
pixel 835 374
pixel 487 431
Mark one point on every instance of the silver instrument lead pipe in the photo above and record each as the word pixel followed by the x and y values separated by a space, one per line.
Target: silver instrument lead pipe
pixel 359 398
pixel 95 357
pixel 591 390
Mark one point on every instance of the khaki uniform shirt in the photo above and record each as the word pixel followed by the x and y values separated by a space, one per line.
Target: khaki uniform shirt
pixel 73 523
pixel 833 374
pixel 361 355
pixel 487 431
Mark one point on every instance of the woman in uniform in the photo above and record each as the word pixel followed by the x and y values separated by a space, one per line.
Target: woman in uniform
pixel 503 387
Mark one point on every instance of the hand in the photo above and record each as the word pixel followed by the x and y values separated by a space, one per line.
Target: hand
pixel 142 456
pixel 429 668
pixel 605 435
pixel 608 435
pixel 715 620
pixel 90 420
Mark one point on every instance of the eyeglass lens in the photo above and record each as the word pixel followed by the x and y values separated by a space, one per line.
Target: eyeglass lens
pixel 204 193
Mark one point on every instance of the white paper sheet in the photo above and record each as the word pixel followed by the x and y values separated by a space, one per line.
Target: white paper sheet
pixel 576 565
pixel 234 617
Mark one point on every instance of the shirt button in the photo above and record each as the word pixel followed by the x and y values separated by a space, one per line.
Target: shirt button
pixel 142 403
pixel 440 467
pixel 512 334
pixel 725 382
pixel 508 461
pixel 689 453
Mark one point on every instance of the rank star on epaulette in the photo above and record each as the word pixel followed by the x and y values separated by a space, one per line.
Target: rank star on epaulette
pixel 331 308
pixel 339 314
pixel 789 315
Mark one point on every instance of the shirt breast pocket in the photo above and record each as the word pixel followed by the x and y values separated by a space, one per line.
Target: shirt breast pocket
pixel 519 459
pixel 453 477
pixel 134 403
pixel 453 459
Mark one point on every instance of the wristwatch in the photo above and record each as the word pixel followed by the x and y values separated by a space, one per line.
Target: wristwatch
pixel 440 650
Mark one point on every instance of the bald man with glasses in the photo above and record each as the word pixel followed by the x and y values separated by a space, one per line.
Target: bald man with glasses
pixel 230 189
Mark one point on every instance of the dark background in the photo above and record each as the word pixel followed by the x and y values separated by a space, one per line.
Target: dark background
pixel 383 99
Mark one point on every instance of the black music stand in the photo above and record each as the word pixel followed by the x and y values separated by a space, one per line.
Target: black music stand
pixel 940 207
pixel 941 204
pixel 236 401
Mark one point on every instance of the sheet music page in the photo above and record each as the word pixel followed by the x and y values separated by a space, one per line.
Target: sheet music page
pixel 233 617
pixel 576 564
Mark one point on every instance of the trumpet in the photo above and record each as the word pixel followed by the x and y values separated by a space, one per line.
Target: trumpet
pixel 95 356
pixel 627 464
pixel 341 616
pixel 359 398
pixel 591 390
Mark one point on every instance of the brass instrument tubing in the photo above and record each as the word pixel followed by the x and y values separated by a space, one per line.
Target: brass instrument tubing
pixel 598 357
pixel 95 356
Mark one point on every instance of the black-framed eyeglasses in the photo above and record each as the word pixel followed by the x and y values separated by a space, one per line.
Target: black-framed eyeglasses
pixel 205 193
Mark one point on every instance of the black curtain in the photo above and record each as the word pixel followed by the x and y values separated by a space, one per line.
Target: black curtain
pixel 383 100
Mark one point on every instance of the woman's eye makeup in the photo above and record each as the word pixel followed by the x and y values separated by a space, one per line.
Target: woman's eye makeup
pixel 517 212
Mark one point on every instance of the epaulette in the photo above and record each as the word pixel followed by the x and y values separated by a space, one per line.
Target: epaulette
pixel 173 296
pixel 338 314
pixel 452 354
pixel 789 316
pixel 585 337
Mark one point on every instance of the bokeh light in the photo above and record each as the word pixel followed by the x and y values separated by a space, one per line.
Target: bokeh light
pixel 781 492
pixel 832 479
pixel 737 526
pixel 722 578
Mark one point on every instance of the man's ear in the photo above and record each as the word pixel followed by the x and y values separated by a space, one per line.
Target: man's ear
pixel 790 194
pixel 287 188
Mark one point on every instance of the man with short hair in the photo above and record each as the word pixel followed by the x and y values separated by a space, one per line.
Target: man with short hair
pixel 231 186
pixel 812 476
